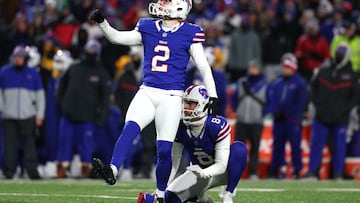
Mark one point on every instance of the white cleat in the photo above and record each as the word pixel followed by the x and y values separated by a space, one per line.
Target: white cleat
pixel 227 197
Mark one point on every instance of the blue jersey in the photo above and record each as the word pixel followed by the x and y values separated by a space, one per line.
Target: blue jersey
pixel 202 148
pixel 166 54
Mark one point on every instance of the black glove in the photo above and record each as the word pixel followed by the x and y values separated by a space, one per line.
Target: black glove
pixel 97 16
pixel 213 106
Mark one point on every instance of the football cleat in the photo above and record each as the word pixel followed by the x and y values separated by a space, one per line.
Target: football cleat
pixel 142 197
pixel 145 197
pixel 227 197
pixel 104 171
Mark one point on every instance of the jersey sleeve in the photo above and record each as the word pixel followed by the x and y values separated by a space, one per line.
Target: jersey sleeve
pixel 139 25
pixel 224 132
pixel 199 35
pixel 220 127
pixel 132 37
pixel 143 23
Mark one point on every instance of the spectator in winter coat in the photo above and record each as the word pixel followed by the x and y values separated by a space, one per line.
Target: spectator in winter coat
pixel 312 49
pixel 286 100
pixel 334 93
pixel 83 98
pixel 245 46
pixel 22 104
pixel 249 101
pixel 350 37
pixel 47 153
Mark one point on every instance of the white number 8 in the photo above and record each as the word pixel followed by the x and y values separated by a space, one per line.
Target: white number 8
pixel 215 120
pixel 203 158
pixel 160 58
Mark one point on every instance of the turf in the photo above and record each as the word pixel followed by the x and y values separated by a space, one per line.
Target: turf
pixel 67 191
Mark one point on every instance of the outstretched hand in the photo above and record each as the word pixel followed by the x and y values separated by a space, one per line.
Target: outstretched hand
pixel 198 171
pixel 97 16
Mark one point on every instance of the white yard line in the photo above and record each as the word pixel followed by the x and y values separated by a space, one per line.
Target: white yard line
pixel 134 198
pixel 65 195
pixel 338 189
pixel 252 189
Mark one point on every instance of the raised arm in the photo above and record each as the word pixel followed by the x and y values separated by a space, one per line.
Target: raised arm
pixel 198 55
pixel 128 38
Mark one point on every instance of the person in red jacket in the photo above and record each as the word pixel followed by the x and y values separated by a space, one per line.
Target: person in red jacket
pixel 311 50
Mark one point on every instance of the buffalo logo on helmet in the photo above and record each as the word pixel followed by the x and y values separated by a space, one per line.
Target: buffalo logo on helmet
pixel 203 93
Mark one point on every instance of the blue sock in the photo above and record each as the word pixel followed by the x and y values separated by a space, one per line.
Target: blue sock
pixel 164 163
pixel 236 165
pixel 124 143
pixel 171 197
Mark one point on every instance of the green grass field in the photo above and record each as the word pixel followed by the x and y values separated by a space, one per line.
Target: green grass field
pixel 67 191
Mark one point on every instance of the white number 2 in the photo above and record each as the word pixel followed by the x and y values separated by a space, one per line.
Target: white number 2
pixel 160 58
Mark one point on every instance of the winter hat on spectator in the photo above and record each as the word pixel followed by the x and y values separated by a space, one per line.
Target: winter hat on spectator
pixel 290 56
pixel 287 63
pixel 20 51
pixel 255 63
pixel 290 63
pixel 94 45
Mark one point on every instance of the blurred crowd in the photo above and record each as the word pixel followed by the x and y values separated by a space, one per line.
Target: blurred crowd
pixel 284 60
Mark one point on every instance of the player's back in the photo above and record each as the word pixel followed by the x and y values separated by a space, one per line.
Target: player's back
pixel 166 53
